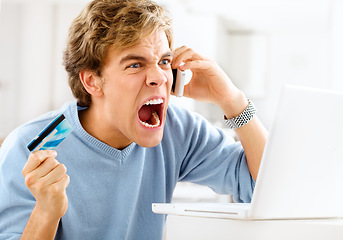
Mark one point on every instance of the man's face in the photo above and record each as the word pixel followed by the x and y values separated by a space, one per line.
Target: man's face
pixel 137 83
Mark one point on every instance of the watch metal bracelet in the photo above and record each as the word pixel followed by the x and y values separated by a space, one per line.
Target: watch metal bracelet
pixel 242 118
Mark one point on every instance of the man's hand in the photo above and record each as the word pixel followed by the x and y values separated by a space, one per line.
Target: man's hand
pixel 209 82
pixel 47 180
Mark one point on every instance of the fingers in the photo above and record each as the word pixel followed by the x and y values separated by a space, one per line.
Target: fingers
pixel 56 175
pixel 46 167
pixel 36 158
pixel 42 167
pixel 196 65
pixel 59 186
pixel 65 181
pixel 184 55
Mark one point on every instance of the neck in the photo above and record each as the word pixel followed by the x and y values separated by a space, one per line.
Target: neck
pixel 93 122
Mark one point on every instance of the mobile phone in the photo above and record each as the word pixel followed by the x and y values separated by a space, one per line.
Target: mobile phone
pixel 178 82
pixel 52 135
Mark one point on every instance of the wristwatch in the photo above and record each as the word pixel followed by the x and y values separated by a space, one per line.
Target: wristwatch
pixel 242 118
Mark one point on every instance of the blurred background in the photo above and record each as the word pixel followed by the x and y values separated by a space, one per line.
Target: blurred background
pixel 261 44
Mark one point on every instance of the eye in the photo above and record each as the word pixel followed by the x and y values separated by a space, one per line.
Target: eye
pixel 165 62
pixel 135 65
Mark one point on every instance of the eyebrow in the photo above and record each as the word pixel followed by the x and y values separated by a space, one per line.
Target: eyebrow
pixel 141 58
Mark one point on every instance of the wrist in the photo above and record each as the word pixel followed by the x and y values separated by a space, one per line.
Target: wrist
pixel 243 118
pixel 46 218
pixel 234 104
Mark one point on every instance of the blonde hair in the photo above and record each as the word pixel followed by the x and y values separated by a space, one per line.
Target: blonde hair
pixel 106 23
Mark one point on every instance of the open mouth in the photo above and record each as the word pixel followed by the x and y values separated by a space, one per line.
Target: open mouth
pixel 150 114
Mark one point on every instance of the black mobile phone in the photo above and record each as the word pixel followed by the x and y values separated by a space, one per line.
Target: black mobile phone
pixel 178 82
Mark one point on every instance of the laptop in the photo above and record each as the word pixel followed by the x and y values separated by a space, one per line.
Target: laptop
pixel 301 173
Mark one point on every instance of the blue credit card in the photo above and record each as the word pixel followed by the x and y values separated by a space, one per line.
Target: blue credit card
pixel 52 135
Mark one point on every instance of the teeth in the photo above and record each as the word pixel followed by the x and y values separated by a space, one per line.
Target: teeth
pixel 154 102
pixel 154 114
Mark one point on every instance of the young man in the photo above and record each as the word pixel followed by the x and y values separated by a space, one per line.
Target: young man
pixel 128 148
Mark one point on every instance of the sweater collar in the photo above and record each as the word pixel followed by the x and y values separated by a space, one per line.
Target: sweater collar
pixel 91 141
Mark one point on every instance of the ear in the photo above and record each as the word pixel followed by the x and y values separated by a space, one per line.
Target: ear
pixel 91 82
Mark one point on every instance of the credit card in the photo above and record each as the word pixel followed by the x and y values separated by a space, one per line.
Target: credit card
pixel 52 135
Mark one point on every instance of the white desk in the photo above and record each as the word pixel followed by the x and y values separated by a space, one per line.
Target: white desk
pixel 188 228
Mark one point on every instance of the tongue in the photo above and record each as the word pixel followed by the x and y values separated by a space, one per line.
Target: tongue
pixel 144 113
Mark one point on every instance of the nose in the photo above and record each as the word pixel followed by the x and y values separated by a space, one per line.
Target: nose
pixel 155 77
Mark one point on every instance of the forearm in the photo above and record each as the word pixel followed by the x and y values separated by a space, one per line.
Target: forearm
pixel 253 135
pixel 253 138
pixel 40 226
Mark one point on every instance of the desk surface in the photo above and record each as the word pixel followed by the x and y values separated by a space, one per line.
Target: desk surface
pixel 182 228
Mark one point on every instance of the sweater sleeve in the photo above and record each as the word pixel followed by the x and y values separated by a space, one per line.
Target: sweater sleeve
pixel 210 158
pixel 16 201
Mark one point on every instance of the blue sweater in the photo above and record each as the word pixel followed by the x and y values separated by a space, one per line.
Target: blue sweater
pixel 111 191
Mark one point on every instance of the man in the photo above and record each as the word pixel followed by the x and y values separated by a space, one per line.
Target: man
pixel 128 148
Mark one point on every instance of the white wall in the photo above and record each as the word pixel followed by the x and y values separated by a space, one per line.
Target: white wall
pixel 9 50
pixel 32 39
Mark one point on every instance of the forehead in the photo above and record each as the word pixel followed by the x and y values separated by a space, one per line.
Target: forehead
pixel 151 46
